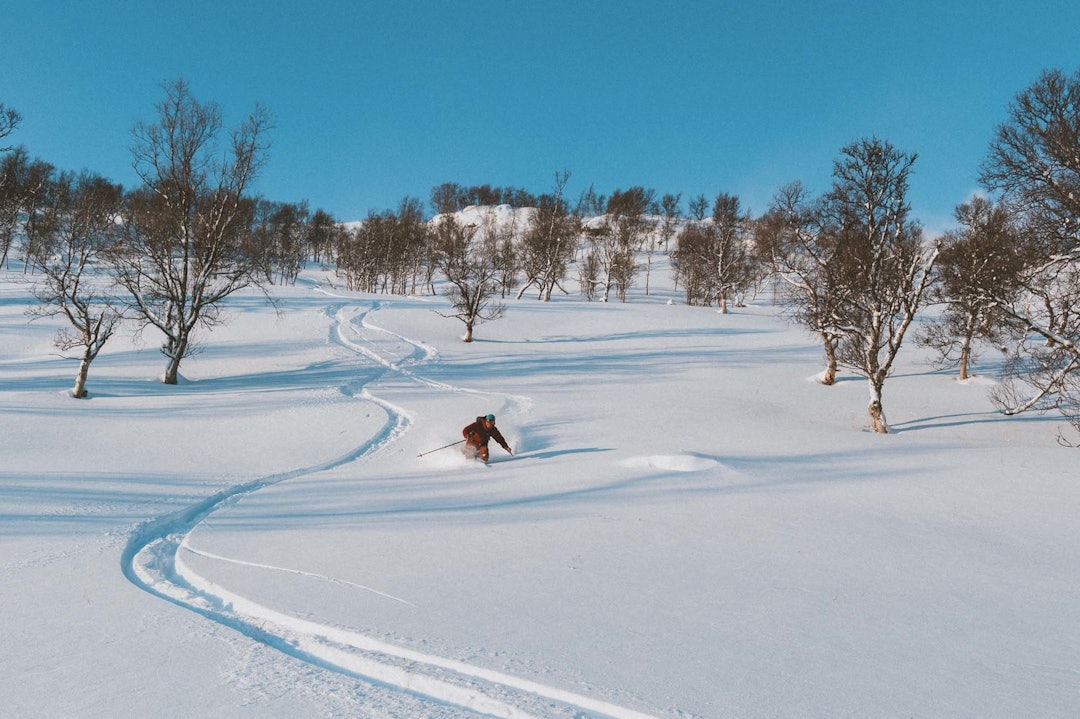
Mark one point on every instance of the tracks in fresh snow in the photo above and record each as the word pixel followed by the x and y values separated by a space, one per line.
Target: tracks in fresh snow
pixel 153 560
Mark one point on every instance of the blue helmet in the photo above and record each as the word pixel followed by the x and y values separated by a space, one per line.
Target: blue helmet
pixel 490 418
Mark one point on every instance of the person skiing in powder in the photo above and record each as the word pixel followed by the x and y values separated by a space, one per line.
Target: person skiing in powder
pixel 477 436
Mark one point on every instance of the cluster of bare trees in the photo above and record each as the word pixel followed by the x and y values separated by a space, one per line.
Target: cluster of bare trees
pixel 715 260
pixel 166 253
pixel 390 252
pixel 65 220
pixel 1034 163
pixel 614 242
pixel 1008 277
pixel 853 262
pixel 285 235
pixel 854 265
pixel 23 187
pixel 450 197
pixel 402 252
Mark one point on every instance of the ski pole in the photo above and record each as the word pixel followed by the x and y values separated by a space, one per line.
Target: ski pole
pixel 443 447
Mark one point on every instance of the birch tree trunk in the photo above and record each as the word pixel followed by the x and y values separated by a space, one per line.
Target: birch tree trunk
pixel 876 408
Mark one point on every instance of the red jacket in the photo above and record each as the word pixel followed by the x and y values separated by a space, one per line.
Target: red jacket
pixel 478 435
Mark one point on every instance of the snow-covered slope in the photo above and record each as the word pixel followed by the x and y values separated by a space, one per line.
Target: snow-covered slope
pixel 689 525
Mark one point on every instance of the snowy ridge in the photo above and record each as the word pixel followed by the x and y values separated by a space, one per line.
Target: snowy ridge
pixel 153 560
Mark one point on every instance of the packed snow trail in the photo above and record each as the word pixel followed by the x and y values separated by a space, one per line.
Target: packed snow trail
pixel 422 354
pixel 153 561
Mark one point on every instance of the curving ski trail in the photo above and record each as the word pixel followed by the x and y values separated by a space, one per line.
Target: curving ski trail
pixel 299 572
pixel 422 354
pixel 153 560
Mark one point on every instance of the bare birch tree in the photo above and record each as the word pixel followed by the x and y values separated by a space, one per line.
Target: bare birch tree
pixel 549 242
pixel 1034 161
pixel 980 254
pixel 791 237
pixel 468 263
pixel 885 266
pixel 77 222
pixel 187 226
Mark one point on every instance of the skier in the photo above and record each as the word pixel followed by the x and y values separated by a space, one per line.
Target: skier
pixel 477 435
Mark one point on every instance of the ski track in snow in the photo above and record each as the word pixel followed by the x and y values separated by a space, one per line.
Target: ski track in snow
pixel 217 557
pixel 152 560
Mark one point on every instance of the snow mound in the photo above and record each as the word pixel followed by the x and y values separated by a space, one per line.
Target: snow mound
pixel 670 463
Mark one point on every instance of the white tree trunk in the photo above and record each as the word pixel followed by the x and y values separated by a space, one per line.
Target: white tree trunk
pixel 79 392
pixel 877 410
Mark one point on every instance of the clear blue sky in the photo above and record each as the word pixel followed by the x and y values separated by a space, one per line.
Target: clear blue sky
pixel 374 101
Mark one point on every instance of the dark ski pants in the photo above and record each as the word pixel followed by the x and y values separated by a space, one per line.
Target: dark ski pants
pixel 472 451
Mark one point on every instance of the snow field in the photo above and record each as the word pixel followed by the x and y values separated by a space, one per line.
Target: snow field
pixel 689 527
